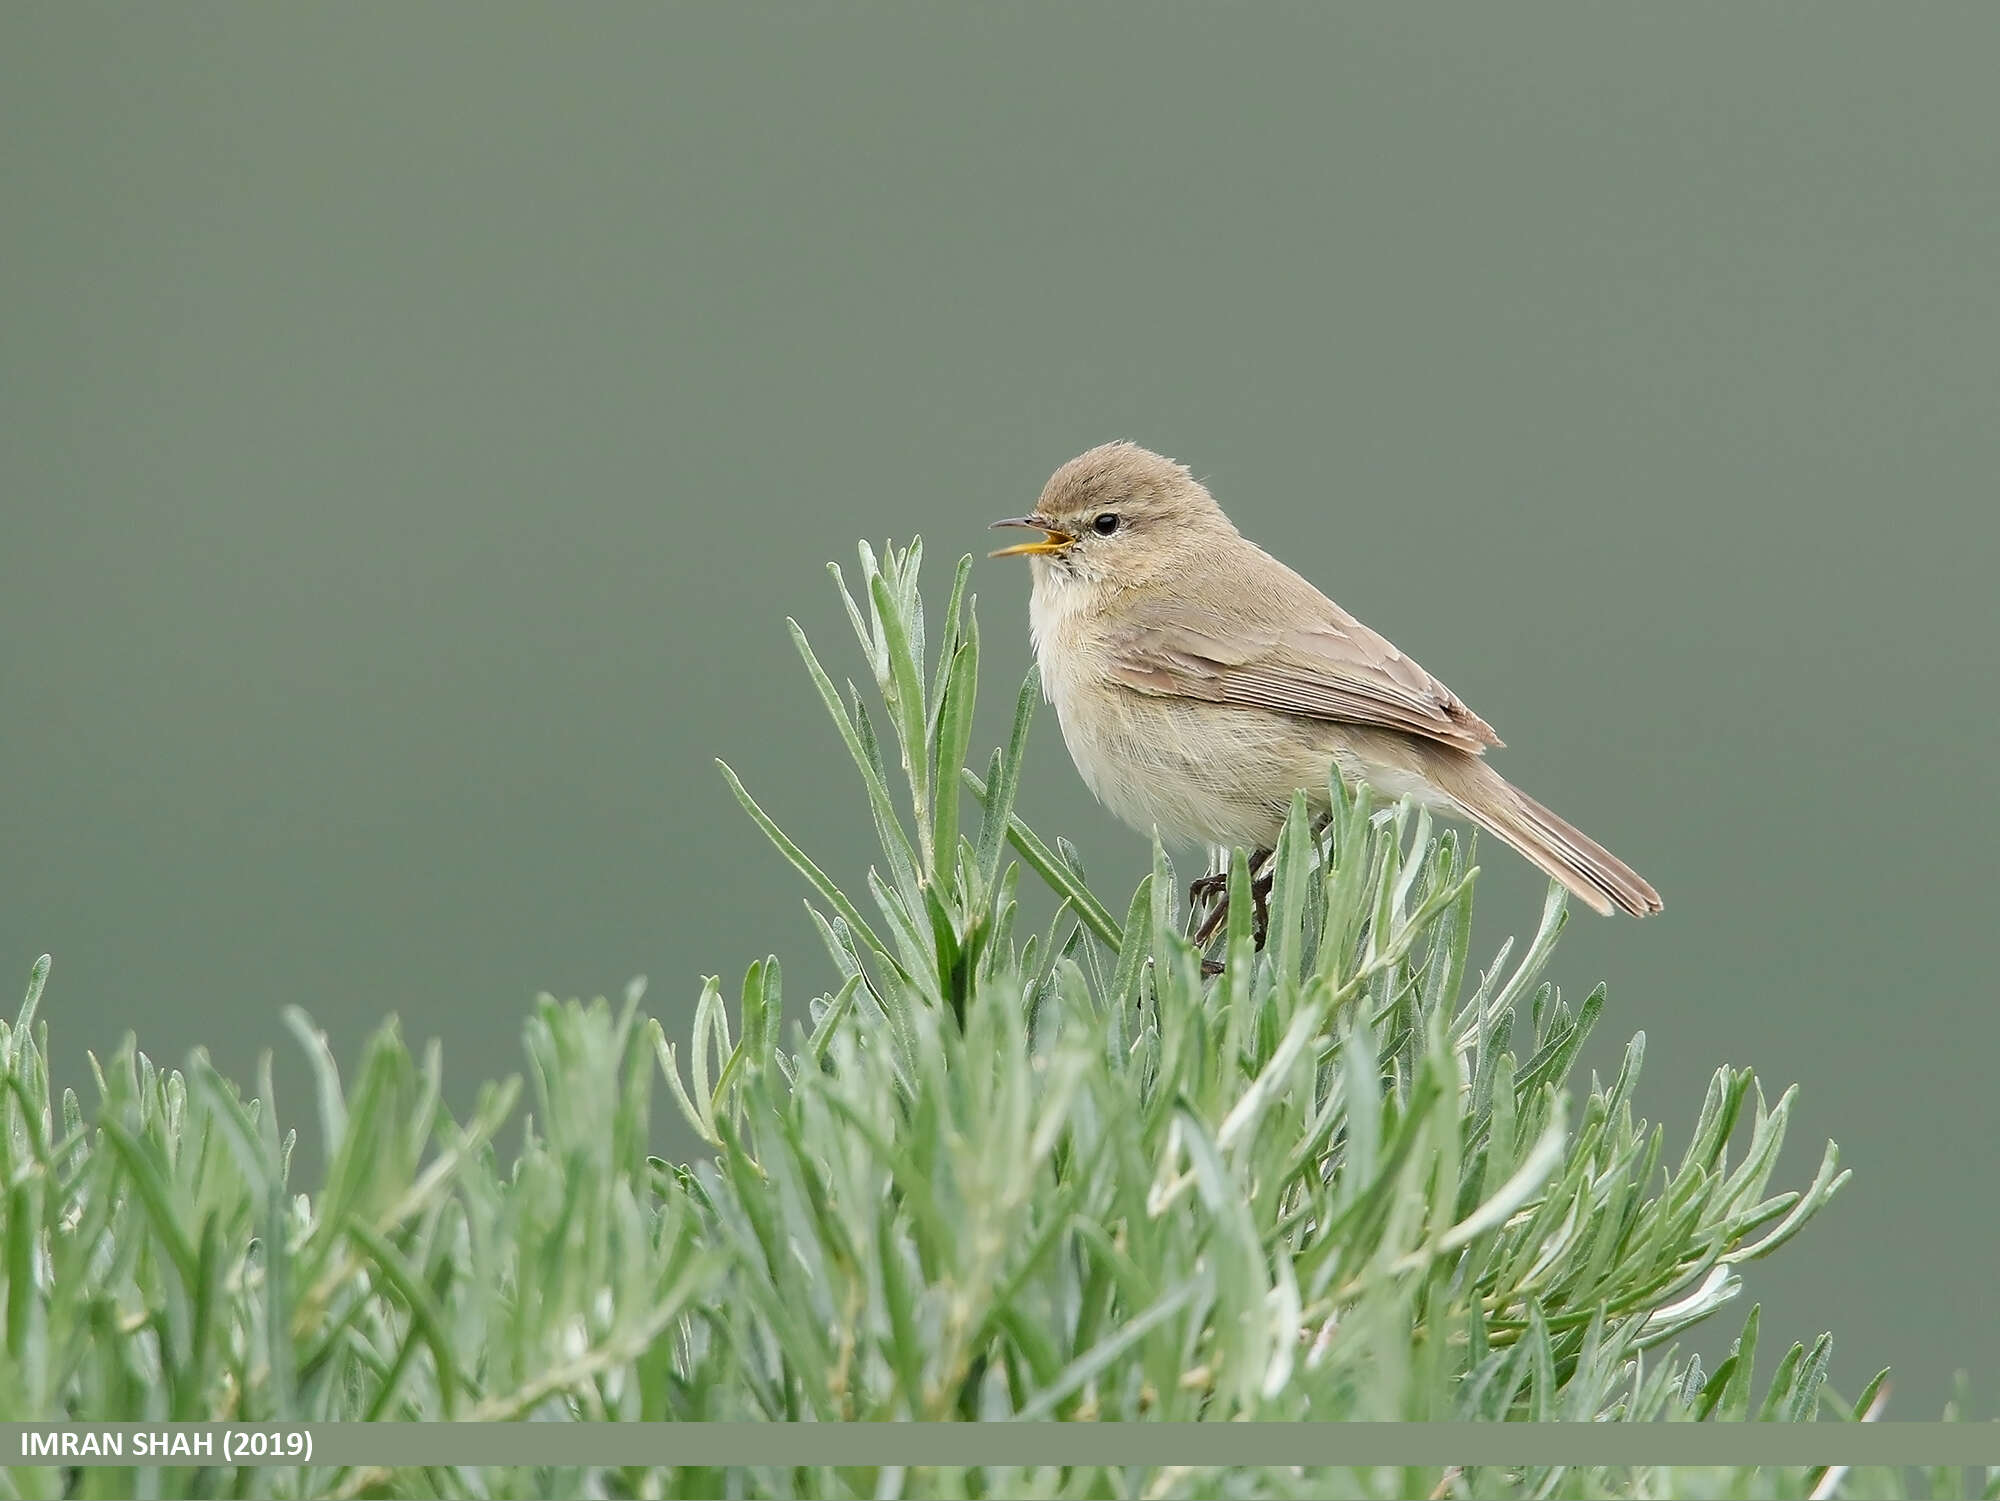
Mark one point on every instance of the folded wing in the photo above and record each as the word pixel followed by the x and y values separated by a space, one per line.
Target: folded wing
pixel 1320 663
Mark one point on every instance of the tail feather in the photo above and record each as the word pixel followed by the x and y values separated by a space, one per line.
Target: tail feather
pixel 1557 847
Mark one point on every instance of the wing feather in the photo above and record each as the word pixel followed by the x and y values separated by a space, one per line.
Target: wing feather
pixel 1330 667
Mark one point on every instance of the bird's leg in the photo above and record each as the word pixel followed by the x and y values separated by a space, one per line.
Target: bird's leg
pixel 1260 898
pixel 1215 884
pixel 1260 890
pixel 1212 924
pixel 1212 887
pixel 1260 893
pixel 1201 888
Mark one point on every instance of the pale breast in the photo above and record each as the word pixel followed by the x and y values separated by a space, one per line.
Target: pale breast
pixel 1208 773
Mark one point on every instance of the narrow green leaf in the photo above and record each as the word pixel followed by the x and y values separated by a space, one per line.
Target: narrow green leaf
pixel 1043 861
pixel 1105 1353
pixel 1733 1403
pixel 142 1163
pixel 906 706
pixel 24 1019
pixel 953 738
pixel 1005 781
pixel 26 1322
pixel 956 626
pixel 424 1311
pixel 889 828
pixel 804 865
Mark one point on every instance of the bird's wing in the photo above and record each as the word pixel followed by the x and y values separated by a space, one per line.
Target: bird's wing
pixel 1297 655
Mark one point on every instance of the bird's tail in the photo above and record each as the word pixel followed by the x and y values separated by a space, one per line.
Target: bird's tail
pixel 1561 850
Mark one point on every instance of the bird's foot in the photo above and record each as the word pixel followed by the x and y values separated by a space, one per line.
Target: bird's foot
pixel 1218 886
pixel 1206 888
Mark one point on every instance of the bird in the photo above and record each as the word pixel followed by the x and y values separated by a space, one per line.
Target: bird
pixel 1199 682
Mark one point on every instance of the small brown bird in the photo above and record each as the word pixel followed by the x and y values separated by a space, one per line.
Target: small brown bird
pixel 1200 682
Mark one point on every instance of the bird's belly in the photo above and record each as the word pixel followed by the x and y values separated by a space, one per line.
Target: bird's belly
pixel 1210 773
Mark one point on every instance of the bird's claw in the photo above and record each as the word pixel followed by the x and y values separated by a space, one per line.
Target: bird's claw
pixel 1205 888
pixel 1260 908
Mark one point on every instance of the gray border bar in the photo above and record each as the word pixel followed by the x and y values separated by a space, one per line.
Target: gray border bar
pixel 1189 1444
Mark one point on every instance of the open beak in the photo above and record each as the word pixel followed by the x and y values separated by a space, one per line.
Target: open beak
pixel 1056 539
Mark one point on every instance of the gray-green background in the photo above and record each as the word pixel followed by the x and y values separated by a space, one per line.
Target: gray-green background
pixel 418 421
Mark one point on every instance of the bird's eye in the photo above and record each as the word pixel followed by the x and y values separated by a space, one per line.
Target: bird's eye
pixel 1105 524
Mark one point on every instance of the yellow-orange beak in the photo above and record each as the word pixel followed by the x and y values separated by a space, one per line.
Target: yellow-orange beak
pixel 1055 540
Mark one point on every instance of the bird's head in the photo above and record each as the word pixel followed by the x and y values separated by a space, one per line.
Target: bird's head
pixel 1119 513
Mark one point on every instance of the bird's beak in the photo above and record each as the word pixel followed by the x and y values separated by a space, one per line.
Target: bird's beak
pixel 1057 540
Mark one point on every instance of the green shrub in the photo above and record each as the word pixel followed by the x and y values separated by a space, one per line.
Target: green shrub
pixel 991 1176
